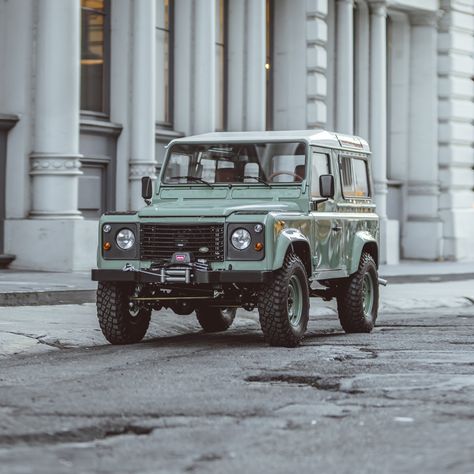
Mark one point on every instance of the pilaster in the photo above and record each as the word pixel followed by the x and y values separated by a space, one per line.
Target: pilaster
pixel 422 237
pixel 378 118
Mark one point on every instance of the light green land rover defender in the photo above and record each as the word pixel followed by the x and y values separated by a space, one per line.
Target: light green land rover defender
pixel 248 220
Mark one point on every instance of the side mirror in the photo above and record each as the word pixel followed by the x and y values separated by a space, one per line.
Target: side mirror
pixel 326 186
pixel 147 188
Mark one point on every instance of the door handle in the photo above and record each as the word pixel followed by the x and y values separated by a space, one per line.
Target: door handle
pixel 336 228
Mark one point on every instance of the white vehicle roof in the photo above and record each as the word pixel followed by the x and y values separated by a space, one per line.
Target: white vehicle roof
pixel 312 137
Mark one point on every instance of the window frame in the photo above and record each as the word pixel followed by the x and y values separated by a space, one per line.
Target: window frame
pixel 105 112
pixel 168 124
pixel 365 160
pixel 327 153
pixel 269 59
pixel 225 47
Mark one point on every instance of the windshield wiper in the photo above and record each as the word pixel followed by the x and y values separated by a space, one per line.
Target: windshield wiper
pixel 260 180
pixel 192 178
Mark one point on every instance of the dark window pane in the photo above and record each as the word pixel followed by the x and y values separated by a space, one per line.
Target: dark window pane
pixel 163 61
pixel 92 55
pixel 220 64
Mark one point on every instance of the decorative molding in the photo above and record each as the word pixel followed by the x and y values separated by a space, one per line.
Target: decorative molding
pixel 378 8
pixel 8 121
pixel 426 18
pixel 423 188
pixel 55 164
pixel 56 215
pixel 100 127
pixel 138 169
pixel 380 187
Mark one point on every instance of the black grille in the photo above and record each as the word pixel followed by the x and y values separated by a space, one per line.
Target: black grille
pixel 160 241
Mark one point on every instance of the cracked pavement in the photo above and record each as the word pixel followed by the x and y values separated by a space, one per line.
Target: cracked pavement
pixel 397 400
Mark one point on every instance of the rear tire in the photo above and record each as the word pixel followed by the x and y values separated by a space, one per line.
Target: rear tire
pixel 358 298
pixel 215 319
pixel 284 304
pixel 119 324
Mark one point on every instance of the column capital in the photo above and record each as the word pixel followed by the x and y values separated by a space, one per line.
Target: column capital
pixel 378 7
pixel 425 18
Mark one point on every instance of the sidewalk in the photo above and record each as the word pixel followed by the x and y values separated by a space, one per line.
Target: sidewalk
pixel 24 288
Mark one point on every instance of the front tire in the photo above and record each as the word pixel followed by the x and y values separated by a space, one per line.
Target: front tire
pixel 284 304
pixel 358 298
pixel 119 323
pixel 215 319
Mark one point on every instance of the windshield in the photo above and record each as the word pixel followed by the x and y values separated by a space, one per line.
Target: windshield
pixel 249 163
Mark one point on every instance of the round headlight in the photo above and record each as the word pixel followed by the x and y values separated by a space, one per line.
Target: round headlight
pixel 125 239
pixel 241 239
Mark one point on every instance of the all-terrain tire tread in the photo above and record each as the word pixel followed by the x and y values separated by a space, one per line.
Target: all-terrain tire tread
pixel 272 306
pixel 212 319
pixel 112 312
pixel 349 300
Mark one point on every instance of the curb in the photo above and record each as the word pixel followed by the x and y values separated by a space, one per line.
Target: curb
pixel 437 278
pixel 38 298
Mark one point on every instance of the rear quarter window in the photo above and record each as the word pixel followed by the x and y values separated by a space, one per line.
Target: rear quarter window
pixel 354 177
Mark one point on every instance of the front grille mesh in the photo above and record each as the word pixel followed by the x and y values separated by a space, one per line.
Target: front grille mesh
pixel 159 241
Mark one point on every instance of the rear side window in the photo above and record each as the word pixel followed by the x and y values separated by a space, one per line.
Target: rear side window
pixel 354 177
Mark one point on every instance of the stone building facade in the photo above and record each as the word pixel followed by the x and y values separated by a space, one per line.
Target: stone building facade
pixel 92 90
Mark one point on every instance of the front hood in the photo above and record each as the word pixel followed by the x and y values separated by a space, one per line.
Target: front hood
pixel 213 208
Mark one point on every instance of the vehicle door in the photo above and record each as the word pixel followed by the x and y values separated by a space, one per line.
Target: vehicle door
pixel 354 202
pixel 327 226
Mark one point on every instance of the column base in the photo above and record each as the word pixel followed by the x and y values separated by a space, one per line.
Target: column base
pixel 389 241
pixel 423 240
pixel 52 245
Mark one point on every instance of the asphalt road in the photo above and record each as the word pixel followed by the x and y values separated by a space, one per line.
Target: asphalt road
pixel 398 400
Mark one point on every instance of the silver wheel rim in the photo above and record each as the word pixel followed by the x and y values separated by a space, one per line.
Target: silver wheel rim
pixel 295 301
pixel 368 295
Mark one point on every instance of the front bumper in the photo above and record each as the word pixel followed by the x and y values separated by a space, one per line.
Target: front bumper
pixel 197 276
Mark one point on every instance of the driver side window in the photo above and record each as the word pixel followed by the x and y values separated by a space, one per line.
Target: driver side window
pixel 320 166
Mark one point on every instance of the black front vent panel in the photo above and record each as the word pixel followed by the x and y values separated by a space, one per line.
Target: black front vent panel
pixel 159 242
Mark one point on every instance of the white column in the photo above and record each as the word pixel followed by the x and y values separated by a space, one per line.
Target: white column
pixel 246 65
pixel 345 67
pixel 255 48
pixel 423 231
pixel 143 91
pixel 55 161
pixel 204 66
pixel 378 116
pixel 195 66
pixel 362 70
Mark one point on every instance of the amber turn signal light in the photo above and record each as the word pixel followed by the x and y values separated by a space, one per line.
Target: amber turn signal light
pixel 258 246
pixel 107 245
